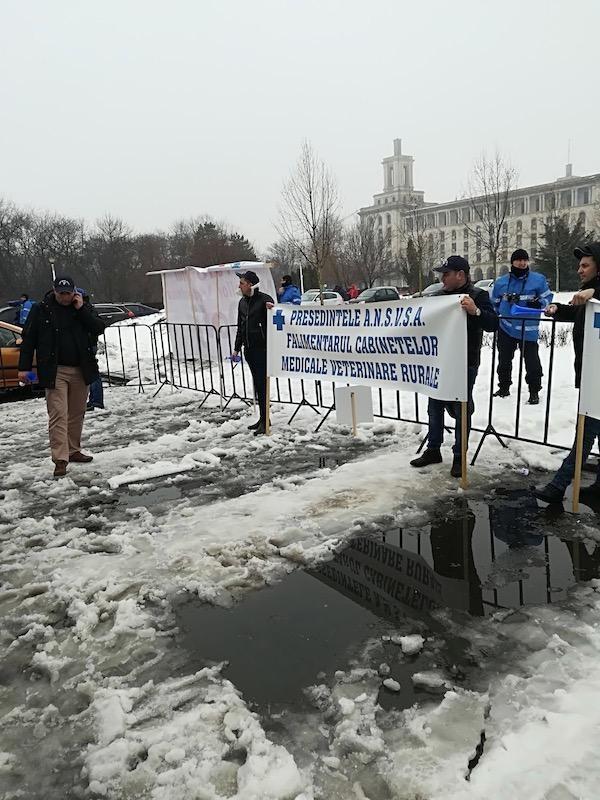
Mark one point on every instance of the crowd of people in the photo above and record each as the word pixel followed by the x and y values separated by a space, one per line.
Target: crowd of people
pixel 61 333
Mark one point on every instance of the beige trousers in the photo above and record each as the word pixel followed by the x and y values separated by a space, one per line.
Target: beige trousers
pixel 66 409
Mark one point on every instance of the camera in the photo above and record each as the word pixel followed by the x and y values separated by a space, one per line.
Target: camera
pixel 513 298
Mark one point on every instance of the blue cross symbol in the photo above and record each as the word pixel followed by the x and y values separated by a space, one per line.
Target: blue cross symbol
pixel 597 322
pixel 279 319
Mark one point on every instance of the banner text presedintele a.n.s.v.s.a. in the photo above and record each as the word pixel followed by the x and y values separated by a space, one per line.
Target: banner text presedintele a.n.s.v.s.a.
pixel 412 345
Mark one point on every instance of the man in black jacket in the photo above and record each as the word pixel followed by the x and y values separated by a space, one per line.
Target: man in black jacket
pixel 589 274
pixel 481 316
pixel 62 331
pixel 252 335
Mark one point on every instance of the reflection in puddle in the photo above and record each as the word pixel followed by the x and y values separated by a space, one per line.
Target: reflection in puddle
pixel 473 557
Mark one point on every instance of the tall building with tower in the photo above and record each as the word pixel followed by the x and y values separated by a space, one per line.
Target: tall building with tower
pixel 400 212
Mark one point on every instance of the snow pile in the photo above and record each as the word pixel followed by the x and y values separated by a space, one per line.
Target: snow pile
pixel 184 501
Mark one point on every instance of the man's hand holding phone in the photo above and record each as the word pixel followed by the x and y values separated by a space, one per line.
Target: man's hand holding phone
pixel 77 301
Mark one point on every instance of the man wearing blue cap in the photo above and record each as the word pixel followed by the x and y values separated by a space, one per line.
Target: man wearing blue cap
pixel 456 279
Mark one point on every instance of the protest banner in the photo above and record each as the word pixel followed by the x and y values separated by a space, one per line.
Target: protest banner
pixel 413 344
pixel 589 392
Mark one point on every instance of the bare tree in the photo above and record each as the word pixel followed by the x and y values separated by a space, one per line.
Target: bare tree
pixel 489 188
pixel 421 246
pixel 366 252
pixel 308 213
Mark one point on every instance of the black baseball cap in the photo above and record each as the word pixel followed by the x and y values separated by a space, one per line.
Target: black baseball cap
pixel 453 264
pixel 64 284
pixel 592 250
pixel 249 276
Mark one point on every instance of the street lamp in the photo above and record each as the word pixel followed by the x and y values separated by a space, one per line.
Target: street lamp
pixel 51 260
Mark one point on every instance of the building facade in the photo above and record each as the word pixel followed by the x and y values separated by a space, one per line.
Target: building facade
pixel 400 212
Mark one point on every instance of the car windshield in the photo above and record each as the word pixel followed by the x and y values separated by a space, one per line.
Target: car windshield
pixel 311 294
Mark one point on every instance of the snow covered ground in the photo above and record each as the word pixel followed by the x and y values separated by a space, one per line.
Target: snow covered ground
pixel 183 502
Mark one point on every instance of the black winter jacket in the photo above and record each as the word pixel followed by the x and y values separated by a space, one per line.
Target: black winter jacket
pixel 487 321
pixel 252 322
pixel 40 335
pixel 576 314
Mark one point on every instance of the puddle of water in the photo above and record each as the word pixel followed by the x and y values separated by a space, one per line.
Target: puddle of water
pixel 473 557
pixel 152 497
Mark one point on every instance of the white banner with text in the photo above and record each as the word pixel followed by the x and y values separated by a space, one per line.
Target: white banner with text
pixel 417 344
pixel 589 399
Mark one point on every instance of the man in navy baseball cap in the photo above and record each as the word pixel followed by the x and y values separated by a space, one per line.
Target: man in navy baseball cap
pixel 453 264
pixel 456 279
pixel 249 277
pixel 64 284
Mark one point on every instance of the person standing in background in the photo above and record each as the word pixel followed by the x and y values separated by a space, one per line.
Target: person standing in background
pixel 519 287
pixel 252 336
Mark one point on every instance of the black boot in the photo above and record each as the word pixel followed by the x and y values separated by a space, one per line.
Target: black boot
pixel 534 398
pixel 260 429
pixel 591 492
pixel 456 469
pixel 502 393
pixel 430 456
pixel 255 425
pixel 549 494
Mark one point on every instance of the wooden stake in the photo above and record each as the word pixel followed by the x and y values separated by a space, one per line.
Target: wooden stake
pixel 268 407
pixel 353 406
pixel 578 460
pixel 463 444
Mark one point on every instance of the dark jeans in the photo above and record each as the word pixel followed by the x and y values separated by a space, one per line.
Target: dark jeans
pixel 436 409
pixel 506 351
pixel 566 472
pixel 96 397
pixel 257 361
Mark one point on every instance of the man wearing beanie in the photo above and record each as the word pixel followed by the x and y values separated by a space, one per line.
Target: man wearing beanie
pixel 519 287
pixel 287 292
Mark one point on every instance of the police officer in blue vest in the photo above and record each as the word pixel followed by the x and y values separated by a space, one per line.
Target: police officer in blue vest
pixel 520 287
pixel 23 306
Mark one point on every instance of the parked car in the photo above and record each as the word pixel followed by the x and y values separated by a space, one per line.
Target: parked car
pixel 113 312
pixel 431 290
pixel 312 298
pixel 10 342
pixel 8 314
pixel 487 283
pixel 140 310
pixel 377 294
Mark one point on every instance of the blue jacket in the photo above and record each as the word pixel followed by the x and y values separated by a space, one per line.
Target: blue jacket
pixel 291 294
pixel 23 309
pixel 532 291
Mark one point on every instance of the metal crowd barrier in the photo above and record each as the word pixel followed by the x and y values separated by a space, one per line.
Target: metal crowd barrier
pixel 127 355
pixel 197 357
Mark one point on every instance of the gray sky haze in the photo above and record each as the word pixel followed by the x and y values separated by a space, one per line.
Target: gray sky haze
pixel 155 111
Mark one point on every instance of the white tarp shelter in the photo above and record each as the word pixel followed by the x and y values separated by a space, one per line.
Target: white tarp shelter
pixel 207 296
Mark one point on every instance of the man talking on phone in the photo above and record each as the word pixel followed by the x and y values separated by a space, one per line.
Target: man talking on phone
pixel 61 331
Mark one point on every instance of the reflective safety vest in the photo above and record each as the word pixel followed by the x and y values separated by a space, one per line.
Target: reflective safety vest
pixel 532 290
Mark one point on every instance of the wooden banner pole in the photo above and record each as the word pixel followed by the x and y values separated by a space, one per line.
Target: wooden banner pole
pixel 578 460
pixel 353 406
pixel 463 444
pixel 268 407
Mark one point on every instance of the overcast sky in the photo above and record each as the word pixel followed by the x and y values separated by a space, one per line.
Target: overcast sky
pixel 155 111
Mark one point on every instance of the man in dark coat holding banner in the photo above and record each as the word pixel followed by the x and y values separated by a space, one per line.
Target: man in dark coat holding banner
pixel 589 274
pixel 252 336
pixel 456 278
